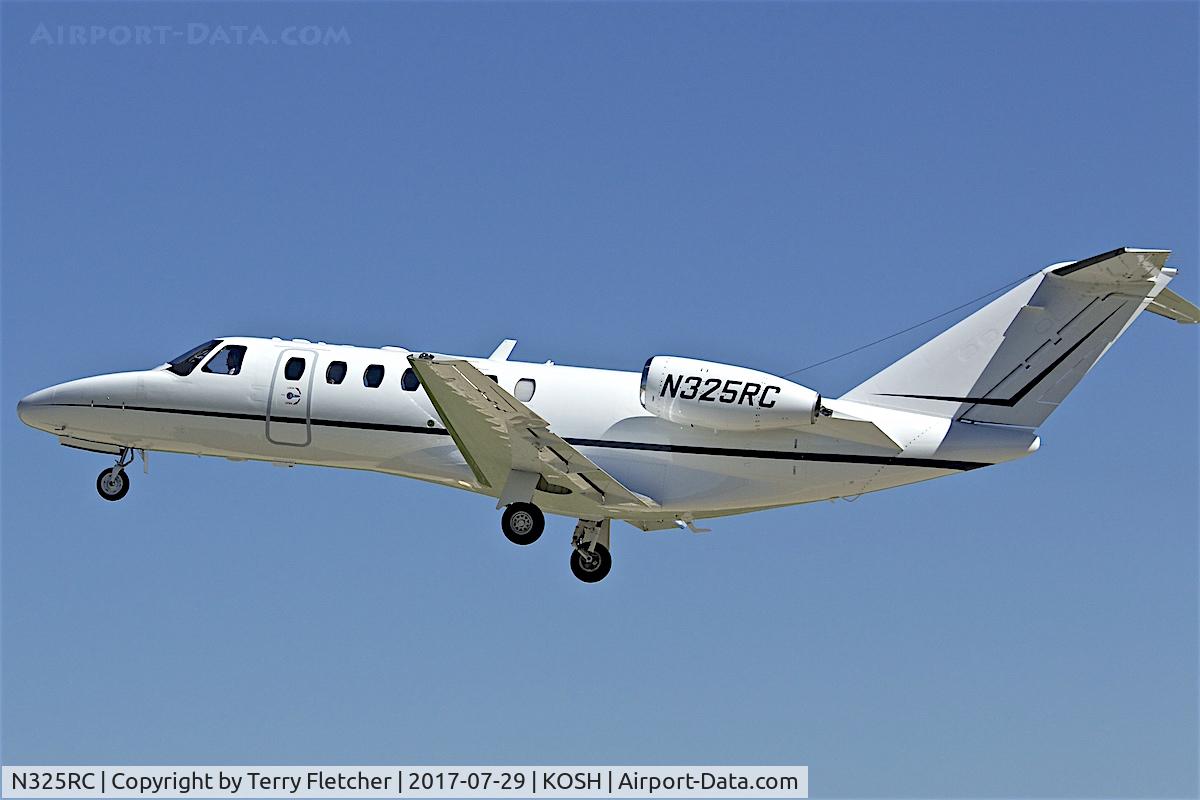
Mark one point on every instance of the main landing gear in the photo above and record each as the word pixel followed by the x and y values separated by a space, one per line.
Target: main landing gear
pixel 590 559
pixel 113 483
pixel 523 523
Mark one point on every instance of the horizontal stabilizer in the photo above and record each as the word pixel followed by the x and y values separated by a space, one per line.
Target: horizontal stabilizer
pixel 1172 306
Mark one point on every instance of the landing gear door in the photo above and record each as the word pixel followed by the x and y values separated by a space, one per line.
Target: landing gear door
pixel 289 399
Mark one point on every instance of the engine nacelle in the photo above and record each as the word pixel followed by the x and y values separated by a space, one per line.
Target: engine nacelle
pixel 723 397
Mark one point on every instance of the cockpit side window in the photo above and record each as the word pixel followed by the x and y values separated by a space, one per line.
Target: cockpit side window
pixel 184 364
pixel 228 361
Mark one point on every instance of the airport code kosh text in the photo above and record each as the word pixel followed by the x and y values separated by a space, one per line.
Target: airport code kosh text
pixel 375 781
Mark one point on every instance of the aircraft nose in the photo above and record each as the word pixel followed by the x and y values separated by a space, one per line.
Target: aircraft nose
pixel 35 409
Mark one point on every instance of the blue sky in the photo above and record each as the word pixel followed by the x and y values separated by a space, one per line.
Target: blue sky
pixel 764 184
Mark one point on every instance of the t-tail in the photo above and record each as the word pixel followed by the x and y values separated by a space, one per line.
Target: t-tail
pixel 1014 360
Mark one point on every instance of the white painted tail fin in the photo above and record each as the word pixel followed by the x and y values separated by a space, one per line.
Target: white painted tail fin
pixel 1014 360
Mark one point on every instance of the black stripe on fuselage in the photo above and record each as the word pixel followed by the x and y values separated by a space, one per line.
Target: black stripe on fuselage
pixel 782 455
pixel 328 423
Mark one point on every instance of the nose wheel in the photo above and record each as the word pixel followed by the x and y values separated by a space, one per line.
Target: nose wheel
pixel 522 523
pixel 113 483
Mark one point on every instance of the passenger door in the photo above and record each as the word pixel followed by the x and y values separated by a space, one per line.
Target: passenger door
pixel 290 398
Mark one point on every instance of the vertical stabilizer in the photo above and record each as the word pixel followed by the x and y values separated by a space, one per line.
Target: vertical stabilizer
pixel 1014 360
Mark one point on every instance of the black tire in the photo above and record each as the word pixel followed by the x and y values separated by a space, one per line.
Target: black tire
pixel 522 523
pixel 593 567
pixel 115 489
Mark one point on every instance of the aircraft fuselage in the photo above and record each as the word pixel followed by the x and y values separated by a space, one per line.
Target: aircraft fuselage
pixel 262 413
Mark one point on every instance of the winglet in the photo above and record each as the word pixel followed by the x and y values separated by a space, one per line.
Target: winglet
pixel 503 350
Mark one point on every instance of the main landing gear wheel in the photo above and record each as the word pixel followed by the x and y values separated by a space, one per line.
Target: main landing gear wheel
pixel 592 565
pixel 522 523
pixel 112 484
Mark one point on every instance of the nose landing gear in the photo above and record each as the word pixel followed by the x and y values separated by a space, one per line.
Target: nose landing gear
pixel 113 483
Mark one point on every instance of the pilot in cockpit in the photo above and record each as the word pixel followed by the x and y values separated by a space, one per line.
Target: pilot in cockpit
pixel 233 361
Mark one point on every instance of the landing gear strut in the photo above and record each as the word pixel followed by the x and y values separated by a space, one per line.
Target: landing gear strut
pixel 522 523
pixel 113 483
pixel 590 559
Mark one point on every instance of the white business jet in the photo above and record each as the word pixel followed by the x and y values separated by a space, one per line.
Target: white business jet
pixel 686 440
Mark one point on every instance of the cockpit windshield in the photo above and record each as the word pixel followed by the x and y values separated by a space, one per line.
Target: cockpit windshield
pixel 184 364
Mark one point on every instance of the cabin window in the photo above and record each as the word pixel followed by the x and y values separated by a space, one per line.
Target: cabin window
pixel 294 370
pixel 409 381
pixel 525 389
pixel 227 361
pixel 336 372
pixel 373 376
pixel 494 380
pixel 184 364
